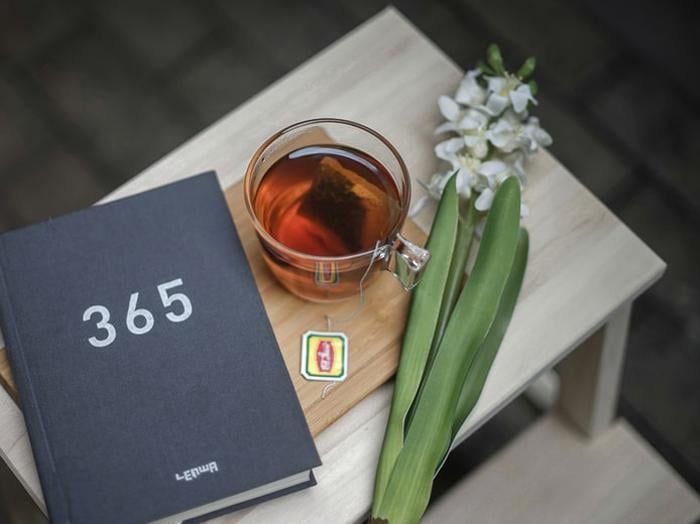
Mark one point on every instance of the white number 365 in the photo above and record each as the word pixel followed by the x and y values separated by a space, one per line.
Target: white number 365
pixel 138 320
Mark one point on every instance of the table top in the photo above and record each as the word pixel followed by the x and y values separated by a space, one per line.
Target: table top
pixel 584 263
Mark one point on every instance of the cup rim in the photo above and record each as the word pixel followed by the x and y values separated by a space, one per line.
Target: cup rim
pixel 276 244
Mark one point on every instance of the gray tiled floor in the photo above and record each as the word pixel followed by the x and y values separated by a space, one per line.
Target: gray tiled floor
pixel 91 93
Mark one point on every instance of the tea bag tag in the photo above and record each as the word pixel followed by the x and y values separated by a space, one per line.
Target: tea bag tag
pixel 324 356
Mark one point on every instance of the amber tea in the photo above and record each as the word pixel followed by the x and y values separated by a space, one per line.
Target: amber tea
pixel 328 215
pixel 326 201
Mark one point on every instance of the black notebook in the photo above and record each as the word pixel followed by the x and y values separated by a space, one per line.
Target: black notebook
pixel 149 376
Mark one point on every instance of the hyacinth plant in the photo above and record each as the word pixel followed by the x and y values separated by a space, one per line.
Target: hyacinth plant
pixel 491 132
pixel 455 325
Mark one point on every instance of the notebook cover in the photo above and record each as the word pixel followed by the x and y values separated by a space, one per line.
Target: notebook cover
pixel 115 428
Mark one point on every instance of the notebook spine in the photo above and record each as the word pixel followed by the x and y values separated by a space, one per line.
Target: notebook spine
pixel 54 497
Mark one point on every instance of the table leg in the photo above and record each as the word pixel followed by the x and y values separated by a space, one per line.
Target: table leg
pixel 590 376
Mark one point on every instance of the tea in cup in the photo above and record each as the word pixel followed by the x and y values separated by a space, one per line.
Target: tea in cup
pixel 328 198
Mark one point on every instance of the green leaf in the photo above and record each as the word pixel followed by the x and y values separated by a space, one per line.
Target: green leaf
pixel 527 68
pixel 494 58
pixel 533 87
pixel 484 68
pixel 410 482
pixel 479 370
pixel 453 286
pixel 465 235
pixel 420 329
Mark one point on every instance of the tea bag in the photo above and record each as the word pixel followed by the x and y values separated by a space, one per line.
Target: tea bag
pixel 346 203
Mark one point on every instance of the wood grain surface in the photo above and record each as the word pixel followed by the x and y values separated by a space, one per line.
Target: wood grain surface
pixel 374 333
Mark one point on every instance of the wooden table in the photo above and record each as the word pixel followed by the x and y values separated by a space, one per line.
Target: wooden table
pixel 586 267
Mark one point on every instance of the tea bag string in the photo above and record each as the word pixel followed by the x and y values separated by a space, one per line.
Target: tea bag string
pixel 376 254
pixel 327 388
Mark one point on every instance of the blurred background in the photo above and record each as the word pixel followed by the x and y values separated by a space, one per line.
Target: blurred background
pixel 91 93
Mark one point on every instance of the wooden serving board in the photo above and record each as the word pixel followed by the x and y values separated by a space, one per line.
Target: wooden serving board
pixel 374 334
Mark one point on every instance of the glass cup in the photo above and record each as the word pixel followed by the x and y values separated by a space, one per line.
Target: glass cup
pixel 334 278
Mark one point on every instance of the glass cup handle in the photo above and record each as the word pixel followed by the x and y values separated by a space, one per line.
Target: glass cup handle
pixel 406 261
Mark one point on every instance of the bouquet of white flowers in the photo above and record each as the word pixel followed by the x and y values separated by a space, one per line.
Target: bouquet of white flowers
pixel 493 132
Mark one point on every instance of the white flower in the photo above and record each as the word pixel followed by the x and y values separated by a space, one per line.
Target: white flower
pixel 466 121
pixel 447 151
pixel 509 133
pixel 437 184
pixel 465 182
pixel 496 172
pixel 473 127
pixel 492 174
pixel 505 91
pixel 470 92
pixel 468 175
pixel 504 132
pixel 485 199
pixel 520 97
pixel 524 210
pixel 535 135
pixel 451 111
pixel 515 161
pixel 471 173
pixel 445 127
